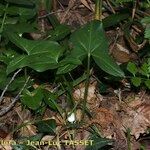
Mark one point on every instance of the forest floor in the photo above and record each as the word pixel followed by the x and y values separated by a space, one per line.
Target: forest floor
pixel 121 113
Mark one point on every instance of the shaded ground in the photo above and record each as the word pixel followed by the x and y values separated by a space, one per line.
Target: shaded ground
pixel 114 113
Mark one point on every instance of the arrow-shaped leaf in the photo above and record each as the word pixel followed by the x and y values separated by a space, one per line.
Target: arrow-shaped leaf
pixel 42 55
pixel 90 40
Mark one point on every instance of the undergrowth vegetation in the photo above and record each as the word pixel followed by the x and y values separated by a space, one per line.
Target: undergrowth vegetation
pixel 43 60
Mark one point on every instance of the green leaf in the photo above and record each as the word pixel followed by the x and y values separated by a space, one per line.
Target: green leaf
pixel 22 142
pixel 59 32
pixel 33 99
pixel 22 43
pixel 17 84
pixel 3 76
pixel 49 99
pixel 2 9
pixel 148 63
pixel 98 143
pixel 68 64
pixel 99 50
pixel 26 13
pixel 147 83
pixel 7 55
pixel 47 126
pixel 20 28
pixel 12 10
pixel 65 69
pixel 22 147
pixel 21 2
pixel 48 5
pixel 90 41
pixel 42 55
pixel 131 67
pixel 53 20
pixel 17 14
pixel 107 64
pixel 71 61
pixel 102 88
pixel 9 20
pixel 123 1
pixel 136 81
pixel 144 70
pixel 114 19
pixel 147 32
pixel 36 137
pixel 146 22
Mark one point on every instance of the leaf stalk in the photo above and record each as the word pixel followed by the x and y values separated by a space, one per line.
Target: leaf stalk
pixel 98 10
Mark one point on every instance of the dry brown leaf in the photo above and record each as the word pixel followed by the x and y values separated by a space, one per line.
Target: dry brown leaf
pixel 79 93
pixel 86 4
pixel 108 122
pixel 114 121
pixel 121 48
pixel 7 146
pixel 79 114
pixel 120 53
pixel 93 99
pixel 138 120
pixel 134 46
pixel 3 133
pixel 80 135
pixel 104 117
pixel 25 117
pixel 28 130
pixel 47 138
pixel 36 36
pixel 70 5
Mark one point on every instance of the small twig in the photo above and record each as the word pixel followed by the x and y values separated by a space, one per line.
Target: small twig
pixel 12 79
pixel 111 7
pixel 141 13
pixel 114 42
pixel 105 5
pixel 6 109
pixel 48 14
pixel 134 9
pixel 54 4
pixel 70 6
